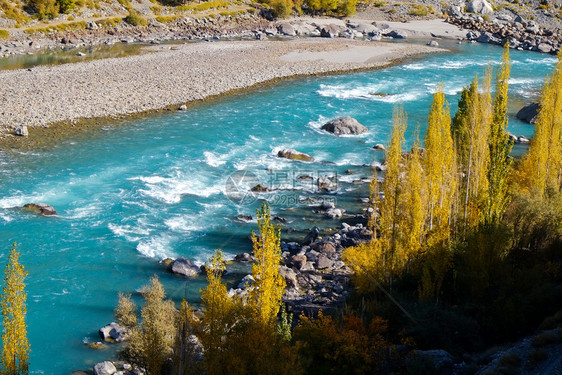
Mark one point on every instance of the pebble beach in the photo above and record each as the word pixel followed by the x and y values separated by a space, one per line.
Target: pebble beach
pixel 165 76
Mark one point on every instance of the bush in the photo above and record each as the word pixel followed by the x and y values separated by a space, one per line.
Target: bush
pixel 43 8
pixel 4 34
pixel 135 19
pixel 65 6
pixel 536 356
pixel 545 339
pixel 281 8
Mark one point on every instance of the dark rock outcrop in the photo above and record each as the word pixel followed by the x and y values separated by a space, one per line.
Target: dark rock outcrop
pixel 529 113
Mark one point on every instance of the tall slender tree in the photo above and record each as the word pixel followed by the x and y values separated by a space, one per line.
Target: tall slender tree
pixel 440 168
pixel 15 354
pixel 471 129
pixel 542 166
pixel 500 147
pixel 269 285
pixel 392 188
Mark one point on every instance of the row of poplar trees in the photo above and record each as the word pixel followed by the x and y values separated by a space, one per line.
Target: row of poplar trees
pixel 234 335
pixel 462 180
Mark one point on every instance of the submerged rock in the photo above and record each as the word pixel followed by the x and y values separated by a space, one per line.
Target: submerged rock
pixel 529 113
pixel 260 188
pixel 98 345
pixel 40 208
pixel 344 125
pixel 294 155
pixel 185 267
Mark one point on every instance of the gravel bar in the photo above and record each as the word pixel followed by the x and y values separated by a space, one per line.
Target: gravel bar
pixel 172 75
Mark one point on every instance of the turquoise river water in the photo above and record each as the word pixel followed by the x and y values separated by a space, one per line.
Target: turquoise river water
pixel 159 187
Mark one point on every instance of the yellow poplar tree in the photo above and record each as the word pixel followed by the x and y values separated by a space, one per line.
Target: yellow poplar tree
pixel 15 354
pixel 500 147
pixel 542 166
pixel 440 167
pixel 471 129
pixel 217 308
pixel 268 287
pixel 392 188
pixel 413 200
pixel 151 343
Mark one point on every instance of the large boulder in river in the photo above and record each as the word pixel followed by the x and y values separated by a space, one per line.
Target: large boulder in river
pixel 344 125
pixel 529 113
pixel 294 155
pixel 113 332
pixel 480 7
pixel 185 267
pixel 40 208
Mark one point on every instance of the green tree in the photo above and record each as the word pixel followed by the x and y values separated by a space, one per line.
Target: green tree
pixel 15 353
pixel 269 285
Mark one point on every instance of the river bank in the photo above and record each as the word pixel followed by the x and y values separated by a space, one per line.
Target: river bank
pixel 173 75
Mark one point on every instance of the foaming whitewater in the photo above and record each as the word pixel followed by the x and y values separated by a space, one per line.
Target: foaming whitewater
pixel 170 185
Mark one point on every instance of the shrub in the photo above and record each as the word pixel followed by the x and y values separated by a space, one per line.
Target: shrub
pixel 418 10
pixel 43 8
pixel 65 6
pixel 4 34
pixel 167 19
pixel 135 19
pixel 536 356
pixel 509 364
pixel 281 8
pixel 544 339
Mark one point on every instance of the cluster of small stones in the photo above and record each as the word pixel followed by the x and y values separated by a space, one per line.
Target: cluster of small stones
pixel 519 33
pixel 316 277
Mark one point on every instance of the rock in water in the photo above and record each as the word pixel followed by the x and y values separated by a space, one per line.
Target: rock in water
pixel 113 332
pixel 344 125
pixel 105 368
pixel 40 208
pixel 294 155
pixel 22 131
pixel 529 113
pixel 185 267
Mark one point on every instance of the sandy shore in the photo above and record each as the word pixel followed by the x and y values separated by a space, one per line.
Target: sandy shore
pixel 172 75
